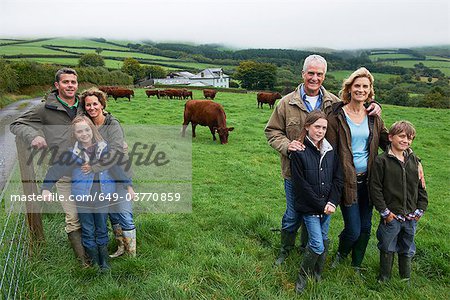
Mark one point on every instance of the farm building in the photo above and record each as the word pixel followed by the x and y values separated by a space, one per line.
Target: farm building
pixel 208 77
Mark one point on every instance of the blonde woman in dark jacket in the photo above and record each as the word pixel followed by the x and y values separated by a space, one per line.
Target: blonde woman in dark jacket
pixel 357 137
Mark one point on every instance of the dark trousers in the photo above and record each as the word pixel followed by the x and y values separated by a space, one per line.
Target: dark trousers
pixel 397 236
pixel 358 216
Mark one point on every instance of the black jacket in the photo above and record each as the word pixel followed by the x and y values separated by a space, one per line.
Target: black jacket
pixel 316 178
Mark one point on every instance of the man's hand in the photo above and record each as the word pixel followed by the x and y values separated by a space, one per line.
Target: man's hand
pixel 389 218
pixel 86 168
pixel 374 110
pixel 296 146
pixel 39 142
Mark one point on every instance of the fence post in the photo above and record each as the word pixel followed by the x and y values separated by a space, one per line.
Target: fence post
pixel 28 177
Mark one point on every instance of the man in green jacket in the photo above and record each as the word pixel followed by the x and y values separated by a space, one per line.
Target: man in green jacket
pixel 47 126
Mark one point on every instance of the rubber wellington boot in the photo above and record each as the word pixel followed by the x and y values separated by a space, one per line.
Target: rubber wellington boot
pixel 386 261
pixel 320 264
pixel 359 249
pixel 287 244
pixel 77 246
pixel 307 269
pixel 404 266
pixel 103 258
pixel 129 242
pixel 117 229
pixel 93 255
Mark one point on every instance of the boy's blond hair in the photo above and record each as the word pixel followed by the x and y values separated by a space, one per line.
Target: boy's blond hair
pixel 403 126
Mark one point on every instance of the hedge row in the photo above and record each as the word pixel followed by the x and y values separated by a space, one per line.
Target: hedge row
pixel 20 74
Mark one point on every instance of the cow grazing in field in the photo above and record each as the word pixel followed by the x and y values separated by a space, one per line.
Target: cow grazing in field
pixel 107 89
pixel 187 94
pixel 152 93
pixel 173 93
pixel 162 94
pixel 269 98
pixel 211 94
pixel 206 113
pixel 121 93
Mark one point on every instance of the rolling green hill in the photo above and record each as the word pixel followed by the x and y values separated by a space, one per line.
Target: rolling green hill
pixel 68 51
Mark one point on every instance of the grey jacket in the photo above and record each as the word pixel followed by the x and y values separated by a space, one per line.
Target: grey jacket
pixel 48 119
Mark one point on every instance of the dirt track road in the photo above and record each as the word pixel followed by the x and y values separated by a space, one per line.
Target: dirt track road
pixel 8 153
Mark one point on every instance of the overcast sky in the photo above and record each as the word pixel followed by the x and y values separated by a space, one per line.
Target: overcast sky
pixel 337 24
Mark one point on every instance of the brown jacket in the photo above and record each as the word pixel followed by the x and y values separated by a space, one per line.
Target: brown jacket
pixel 287 121
pixel 338 134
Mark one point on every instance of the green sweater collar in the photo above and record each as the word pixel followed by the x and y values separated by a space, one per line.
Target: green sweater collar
pixel 65 103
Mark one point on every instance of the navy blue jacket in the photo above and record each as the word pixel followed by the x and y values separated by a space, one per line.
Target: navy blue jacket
pixel 316 178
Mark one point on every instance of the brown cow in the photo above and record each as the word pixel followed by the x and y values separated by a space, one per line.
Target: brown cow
pixel 269 98
pixel 107 89
pixel 152 93
pixel 162 94
pixel 206 113
pixel 209 94
pixel 121 93
pixel 174 93
pixel 187 94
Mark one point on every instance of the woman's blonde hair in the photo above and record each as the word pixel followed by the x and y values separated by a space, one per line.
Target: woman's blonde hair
pixel 347 84
pixel 95 133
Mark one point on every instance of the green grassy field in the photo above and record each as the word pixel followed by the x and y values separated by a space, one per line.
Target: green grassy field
pixel 225 248
pixel 124 54
pixel 375 57
pixel 343 74
pixel 26 49
pixel 441 65
pixel 77 43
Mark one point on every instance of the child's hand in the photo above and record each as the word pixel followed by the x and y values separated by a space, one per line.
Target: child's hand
pixel 46 195
pixel 131 192
pixel 86 168
pixel 421 175
pixel 389 218
pixel 329 209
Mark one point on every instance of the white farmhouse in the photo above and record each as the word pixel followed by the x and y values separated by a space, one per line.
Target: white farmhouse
pixel 208 77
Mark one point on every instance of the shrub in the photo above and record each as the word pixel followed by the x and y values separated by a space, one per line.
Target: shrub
pixel 234 84
pixel 8 78
pixel 91 60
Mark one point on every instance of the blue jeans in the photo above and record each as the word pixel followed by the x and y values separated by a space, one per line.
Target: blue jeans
pixel 94 231
pixel 317 226
pixel 358 216
pixel 122 212
pixel 291 219
pixel 397 236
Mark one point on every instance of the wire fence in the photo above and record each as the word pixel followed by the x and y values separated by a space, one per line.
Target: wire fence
pixel 14 242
